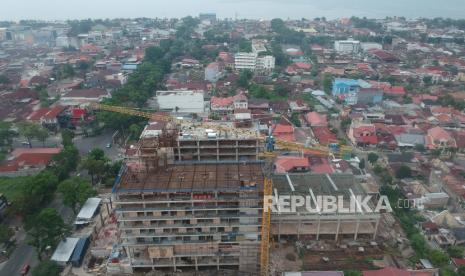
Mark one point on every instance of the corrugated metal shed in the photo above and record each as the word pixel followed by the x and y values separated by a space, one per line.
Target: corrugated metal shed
pixel 64 250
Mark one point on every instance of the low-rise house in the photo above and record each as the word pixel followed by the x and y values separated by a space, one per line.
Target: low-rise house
pixel 299 68
pixel 315 119
pixel 283 132
pixel 392 271
pixel 298 106
pixel 324 135
pixel 84 97
pixel 227 105
pixel 26 161
pixel 439 138
pixel 285 164
pixel 362 134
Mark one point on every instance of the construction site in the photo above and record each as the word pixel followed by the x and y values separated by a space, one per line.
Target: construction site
pixel 191 199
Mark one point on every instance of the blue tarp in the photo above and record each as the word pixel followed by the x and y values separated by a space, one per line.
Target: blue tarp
pixel 80 251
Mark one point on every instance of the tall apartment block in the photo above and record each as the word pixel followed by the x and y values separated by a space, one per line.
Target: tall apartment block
pixel 192 200
pixel 192 216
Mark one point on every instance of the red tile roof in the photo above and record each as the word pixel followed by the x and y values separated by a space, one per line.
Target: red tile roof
pixel 316 119
pixel 392 271
pixel 458 262
pixel 54 112
pixel 25 157
pixel 287 163
pixel 324 135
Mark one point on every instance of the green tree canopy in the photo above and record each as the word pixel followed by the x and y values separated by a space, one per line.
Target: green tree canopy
pixel 46 229
pixel 6 233
pixel 403 172
pixel 372 157
pixel 75 192
pixel 46 268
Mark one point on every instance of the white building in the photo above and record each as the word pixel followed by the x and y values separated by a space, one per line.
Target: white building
pixel 265 63
pixel 258 45
pixel 244 60
pixel 252 62
pixel 347 46
pixel 365 46
pixel 62 41
pixel 181 101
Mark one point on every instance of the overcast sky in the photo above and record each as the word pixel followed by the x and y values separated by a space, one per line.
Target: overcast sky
pixel 78 9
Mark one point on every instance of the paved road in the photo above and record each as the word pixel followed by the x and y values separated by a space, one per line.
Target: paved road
pixel 26 254
pixel 23 254
pixel 85 144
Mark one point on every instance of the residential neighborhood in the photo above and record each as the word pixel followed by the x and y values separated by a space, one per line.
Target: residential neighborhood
pixel 161 146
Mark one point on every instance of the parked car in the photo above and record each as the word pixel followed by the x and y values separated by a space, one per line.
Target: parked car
pixel 108 145
pixel 25 269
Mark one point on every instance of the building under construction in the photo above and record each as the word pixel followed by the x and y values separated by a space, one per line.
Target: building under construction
pixel 192 199
pixel 315 225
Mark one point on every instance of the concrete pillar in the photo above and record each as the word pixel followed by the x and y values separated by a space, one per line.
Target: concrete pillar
pixel 356 229
pixel 218 263
pixel 279 230
pixel 217 150
pixel 174 264
pixel 298 228
pixel 179 151
pixel 318 228
pixel 337 229
pixel 198 150
pixel 376 228
pixel 195 261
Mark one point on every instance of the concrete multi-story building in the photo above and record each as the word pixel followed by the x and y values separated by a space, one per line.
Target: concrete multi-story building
pixel 265 63
pixel 253 62
pixel 347 46
pixel 320 225
pixel 192 216
pixel 200 144
pixel 244 60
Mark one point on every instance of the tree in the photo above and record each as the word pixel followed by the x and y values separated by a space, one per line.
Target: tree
pixel 65 162
pixel 75 192
pixel 438 258
pixel 372 158
pixel 327 83
pixel 42 135
pixel 95 168
pixel 36 192
pixel 4 79
pixel 46 229
pixel 95 163
pixel 244 78
pixel 29 131
pixel 403 172
pixel 455 251
pixel 361 165
pixel 6 134
pixel 46 268
pixel 420 147
pixel 461 271
pixel 6 233
pixel 67 137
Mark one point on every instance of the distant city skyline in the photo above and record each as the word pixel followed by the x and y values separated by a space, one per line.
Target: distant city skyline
pixel 258 9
